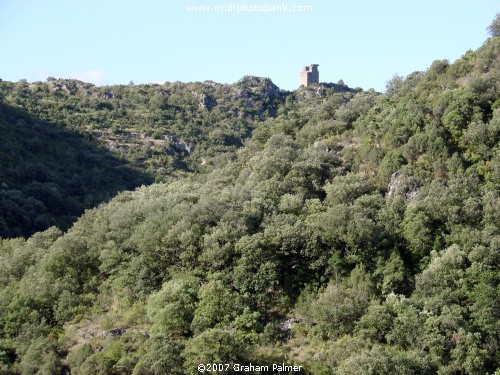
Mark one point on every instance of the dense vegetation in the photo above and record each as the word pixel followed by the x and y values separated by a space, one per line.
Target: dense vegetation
pixel 353 233
pixel 49 174
pixel 54 165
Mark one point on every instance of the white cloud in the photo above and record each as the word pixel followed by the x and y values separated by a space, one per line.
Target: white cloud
pixel 94 76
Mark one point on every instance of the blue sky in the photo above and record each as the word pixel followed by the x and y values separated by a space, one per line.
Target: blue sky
pixel 363 42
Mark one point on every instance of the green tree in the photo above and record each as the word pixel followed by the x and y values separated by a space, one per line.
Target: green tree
pixel 217 306
pixel 215 345
pixel 494 27
pixel 172 309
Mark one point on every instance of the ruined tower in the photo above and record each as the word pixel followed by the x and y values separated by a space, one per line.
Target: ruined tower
pixel 309 75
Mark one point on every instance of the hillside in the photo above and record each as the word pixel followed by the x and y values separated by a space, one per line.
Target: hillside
pixel 69 145
pixel 345 231
pixel 155 126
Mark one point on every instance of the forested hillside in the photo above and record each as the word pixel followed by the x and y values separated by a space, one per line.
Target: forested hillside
pixel 346 231
pixel 67 145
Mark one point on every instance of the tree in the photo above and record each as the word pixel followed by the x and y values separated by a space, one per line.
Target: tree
pixel 163 356
pixel 334 310
pixel 217 306
pixel 41 358
pixel 494 28
pixel 215 346
pixel 394 85
pixel 171 309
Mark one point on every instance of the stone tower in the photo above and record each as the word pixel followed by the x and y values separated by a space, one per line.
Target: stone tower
pixel 309 75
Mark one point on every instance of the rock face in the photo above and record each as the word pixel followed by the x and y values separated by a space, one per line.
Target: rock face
pixel 402 185
pixel 171 144
pixel 178 144
pixel 261 86
pixel 205 101
pixel 304 93
pixel 70 87
pixel 91 334
pixel 108 95
pixel 285 326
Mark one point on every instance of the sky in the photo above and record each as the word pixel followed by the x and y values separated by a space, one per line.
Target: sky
pixel 363 42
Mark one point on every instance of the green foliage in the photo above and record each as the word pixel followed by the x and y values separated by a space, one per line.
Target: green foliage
pixel 216 308
pixel 349 232
pixel 494 28
pixel 51 173
pixel 333 311
pixel 215 346
pixel 346 189
pixel 78 356
pixel 163 356
pixel 172 309
pixel 41 357
pixel 68 145
pixel 383 360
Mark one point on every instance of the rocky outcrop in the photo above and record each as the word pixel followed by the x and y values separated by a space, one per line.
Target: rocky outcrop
pixel 91 334
pixel 108 95
pixel 402 185
pixel 204 101
pixel 68 86
pixel 261 86
pixel 304 93
pixel 127 140
pixel 286 325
